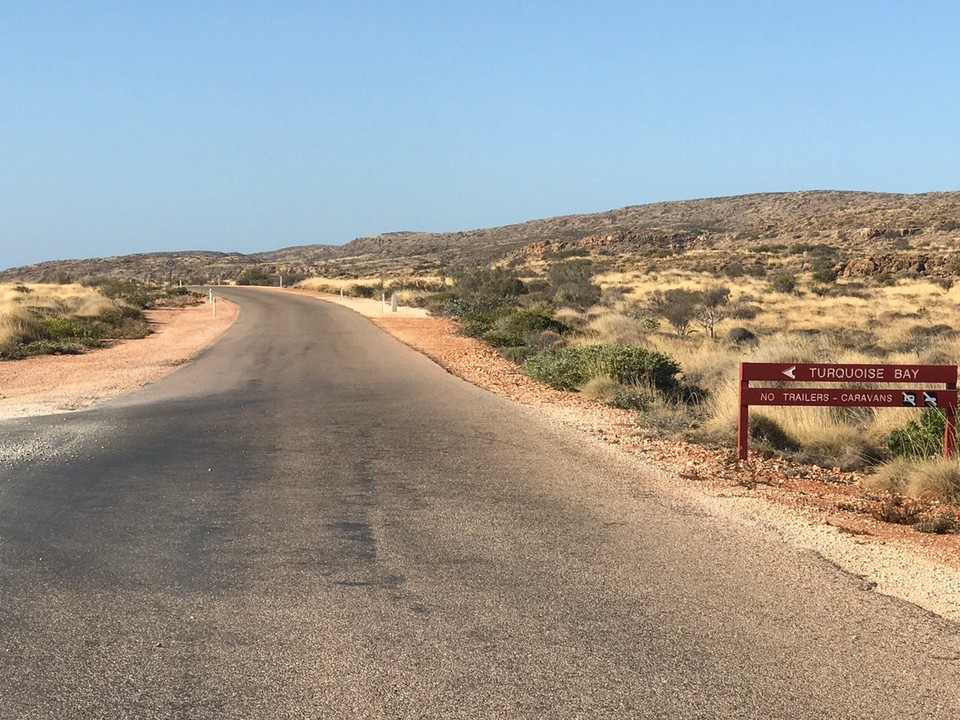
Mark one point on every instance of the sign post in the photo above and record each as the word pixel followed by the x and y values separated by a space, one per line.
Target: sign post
pixel 909 393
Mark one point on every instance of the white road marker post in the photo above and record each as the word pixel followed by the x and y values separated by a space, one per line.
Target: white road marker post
pixel 341 293
pixel 214 307
pixel 393 303
pixel 383 303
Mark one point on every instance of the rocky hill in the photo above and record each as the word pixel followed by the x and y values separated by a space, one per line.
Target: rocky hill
pixel 867 232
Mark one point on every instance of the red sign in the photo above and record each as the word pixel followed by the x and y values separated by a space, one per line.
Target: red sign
pixel 855 395
pixel 848 373
pixel 850 397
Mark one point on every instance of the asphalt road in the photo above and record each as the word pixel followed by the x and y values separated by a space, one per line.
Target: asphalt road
pixel 313 521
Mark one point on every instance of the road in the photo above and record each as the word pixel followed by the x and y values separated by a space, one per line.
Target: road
pixel 313 521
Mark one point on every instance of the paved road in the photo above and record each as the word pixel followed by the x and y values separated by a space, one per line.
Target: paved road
pixel 313 521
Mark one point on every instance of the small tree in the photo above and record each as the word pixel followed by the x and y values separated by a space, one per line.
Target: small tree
pixel 712 308
pixel 678 307
pixel 572 283
pixel 783 283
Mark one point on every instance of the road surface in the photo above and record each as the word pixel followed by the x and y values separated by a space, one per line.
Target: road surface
pixel 313 521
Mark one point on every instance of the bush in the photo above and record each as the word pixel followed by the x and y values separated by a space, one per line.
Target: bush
pixel 679 307
pixel 570 368
pixel 55 327
pixel 573 284
pixel 493 282
pixel 741 336
pixel 129 291
pixel 517 355
pixel 922 438
pixel 513 327
pixel 630 399
pixel 256 276
pixel 824 271
pixel 44 347
pixel 783 283
pixel 362 291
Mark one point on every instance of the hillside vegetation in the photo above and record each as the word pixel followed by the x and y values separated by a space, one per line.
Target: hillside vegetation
pixel 871 233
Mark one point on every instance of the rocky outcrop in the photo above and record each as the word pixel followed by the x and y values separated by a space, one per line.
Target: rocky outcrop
pixel 885 264
pixel 620 241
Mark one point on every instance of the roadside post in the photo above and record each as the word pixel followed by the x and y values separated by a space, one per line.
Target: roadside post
pixel 913 391
pixel 393 303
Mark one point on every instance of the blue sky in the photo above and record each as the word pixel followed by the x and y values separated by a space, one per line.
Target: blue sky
pixel 164 125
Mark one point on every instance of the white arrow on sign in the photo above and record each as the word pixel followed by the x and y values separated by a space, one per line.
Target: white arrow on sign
pixel 791 372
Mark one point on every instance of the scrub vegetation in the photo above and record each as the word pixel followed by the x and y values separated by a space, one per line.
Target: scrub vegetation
pixel 71 318
pixel 668 344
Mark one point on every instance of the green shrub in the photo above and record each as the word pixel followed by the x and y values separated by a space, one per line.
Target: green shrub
pixel 783 283
pixel 45 347
pixel 121 315
pixel 55 327
pixel 824 270
pixel 513 327
pixel 518 354
pixel 943 524
pixel 921 438
pixel 628 398
pixel 493 282
pixel 572 283
pixel 256 276
pixel 569 368
pixel 362 291
pixel 130 292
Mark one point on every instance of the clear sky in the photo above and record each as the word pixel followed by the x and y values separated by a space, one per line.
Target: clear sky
pixel 250 125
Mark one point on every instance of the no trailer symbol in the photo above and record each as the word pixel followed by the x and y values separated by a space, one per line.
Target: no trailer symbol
pixel 929 399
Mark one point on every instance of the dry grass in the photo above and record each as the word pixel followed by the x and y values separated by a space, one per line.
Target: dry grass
pixel 615 328
pixel 910 322
pixel 349 285
pixel 935 479
pixel 321 284
pixel 601 387
pixel 19 325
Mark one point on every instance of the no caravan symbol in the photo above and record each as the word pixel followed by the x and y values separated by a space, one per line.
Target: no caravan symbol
pixel 825 394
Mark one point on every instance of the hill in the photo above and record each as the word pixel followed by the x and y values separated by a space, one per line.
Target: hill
pixel 866 232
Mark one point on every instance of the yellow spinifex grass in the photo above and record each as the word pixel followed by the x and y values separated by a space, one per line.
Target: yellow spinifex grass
pixel 18 324
pixel 322 284
pixel 909 322
pixel 933 479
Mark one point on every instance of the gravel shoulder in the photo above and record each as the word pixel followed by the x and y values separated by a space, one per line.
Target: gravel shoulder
pixel 813 508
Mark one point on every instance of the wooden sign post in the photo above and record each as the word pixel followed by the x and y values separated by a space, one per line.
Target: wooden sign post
pixel 908 394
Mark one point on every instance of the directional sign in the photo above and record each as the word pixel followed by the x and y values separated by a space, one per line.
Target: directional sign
pixel 861 386
pixel 848 373
pixel 171 263
pixel 848 397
